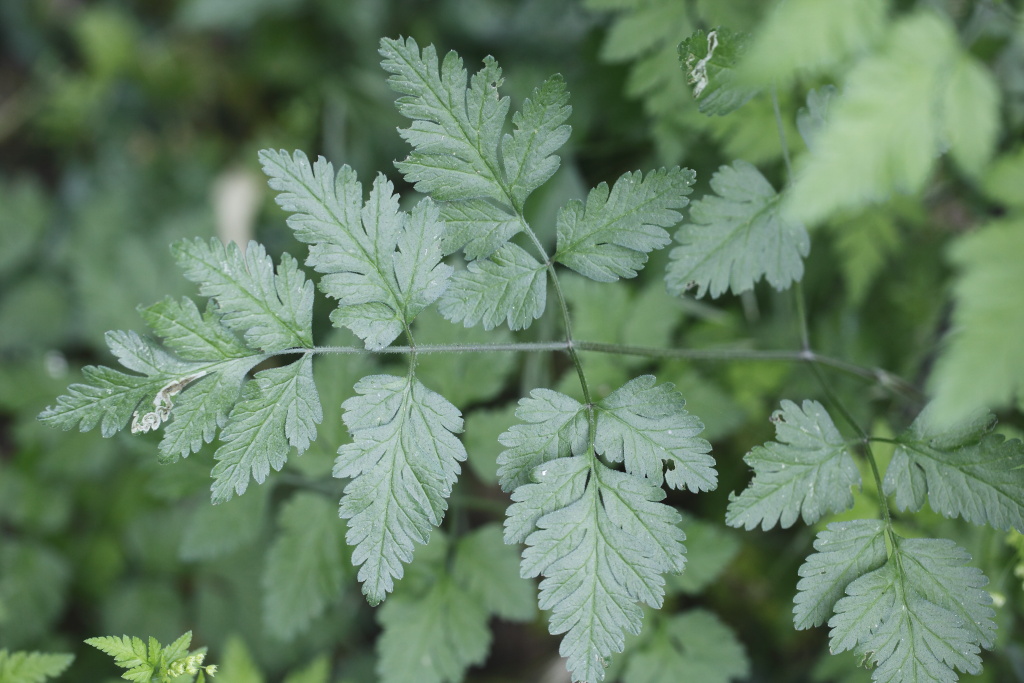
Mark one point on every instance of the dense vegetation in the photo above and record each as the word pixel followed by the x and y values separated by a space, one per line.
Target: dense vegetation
pixel 845 251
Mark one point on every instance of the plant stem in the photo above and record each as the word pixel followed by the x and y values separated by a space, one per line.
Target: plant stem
pixel 876 375
pixel 865 438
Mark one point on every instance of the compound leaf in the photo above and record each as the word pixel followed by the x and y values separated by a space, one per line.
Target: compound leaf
pixel 278 410
pixel 806 472
pixel 603 542
pixel 131 654
pixel 737 236
pixel 31 667
pixel 646 426
pixel 555 427
pixel 844 551
pixel 510 286
pixel 403 461
pixel 477 226
pixel 305 565
pixel 610 236
pixel 273 311
pixel 965 470
pixel 382 264
pixel 709 60
pixel 919 617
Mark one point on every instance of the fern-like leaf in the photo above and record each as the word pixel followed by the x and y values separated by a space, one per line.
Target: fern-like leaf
pixel 807 472
pixel 382 264
pixel 964 470
pixel 31 667
pixel 610 236
pixel 403 460
pixel 737 236
pixel 921 616
pixel 603 538
pixel 510 286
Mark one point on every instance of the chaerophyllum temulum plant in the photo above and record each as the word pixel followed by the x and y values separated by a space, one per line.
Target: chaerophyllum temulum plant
pixel 588 479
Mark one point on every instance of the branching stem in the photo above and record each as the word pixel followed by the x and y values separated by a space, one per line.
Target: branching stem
pixel 877 375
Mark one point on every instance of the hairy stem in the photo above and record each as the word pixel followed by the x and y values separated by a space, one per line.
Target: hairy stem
pixel 879 376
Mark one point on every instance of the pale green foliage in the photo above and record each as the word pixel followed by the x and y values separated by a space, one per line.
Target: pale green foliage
pixel 806 37
pixel 736 236
pixel 435 625
pixel 695 644
pixel 403 460
pixel 919 617
pixel 806 472
pixel 603 537
pixel 481 175
pixel 278 409
pixel 152 662
pixel 610 236
pixel 980 364
pixel 196 382
pixel 31 667
pixel 964 470
pixel 382 264
pixel 510 286
pixel 919 95
pixel 273 311
pixel 709 60
pixel 305 566
pixel 844 551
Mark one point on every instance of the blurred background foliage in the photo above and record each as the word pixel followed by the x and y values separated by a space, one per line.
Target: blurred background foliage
pixel 126 125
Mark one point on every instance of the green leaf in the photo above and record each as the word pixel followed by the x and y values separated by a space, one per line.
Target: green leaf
pixel 319 671
pixel 31 667
pixel 510 286
pixel 540 130
pixel 693 646
pixel 917 96
pixel 919 617
pixel 433 638
pixel 737 236
pixel 603 543
pixel 980 364
pixel 382 264
pixel 478 226
pixel 645 426
pixel 279 410
pixel 488 571
pixel 192 335
pixel 709 60
pixel 403 460
pixel 141 662
pixel 810 120
pixel 805 37
pixel 237 665
pixel 555 427
pixel 964 469
pixel 844 551
pixel 305 565
pixel 710 548
pixel 610 236
pixel 108 400
pixel 204 408
pixel 806 472
pixel 456 130
pixel 273 311
pixel 217 530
